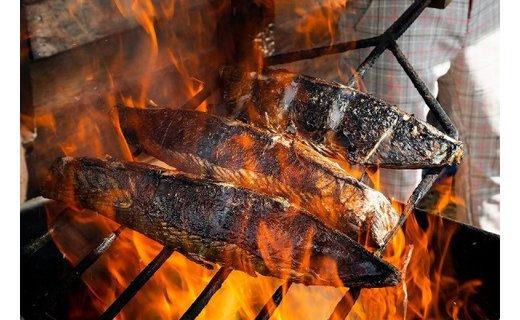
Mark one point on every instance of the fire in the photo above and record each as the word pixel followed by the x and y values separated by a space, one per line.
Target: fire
pixel 145 14
pixel 85 132
pixel 426 291
pixel 318 21
pixel 446 197
pixel 45 120
pixel 192 85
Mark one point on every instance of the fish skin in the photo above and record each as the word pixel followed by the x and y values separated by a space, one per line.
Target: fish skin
pixel 366 130
pixel 216 222
pixel 257 159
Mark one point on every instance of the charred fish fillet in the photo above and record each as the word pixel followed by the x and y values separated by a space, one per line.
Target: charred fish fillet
pixel 365 129
pixel 217 222
pixel 254 158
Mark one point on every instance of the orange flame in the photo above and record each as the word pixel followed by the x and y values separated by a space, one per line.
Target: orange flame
pixel 446 196
pixel 426 288
pixel 86 133
pixel 192 85
pixel 45 120
pixel 145 13
pixel 426 291
pixel 318 21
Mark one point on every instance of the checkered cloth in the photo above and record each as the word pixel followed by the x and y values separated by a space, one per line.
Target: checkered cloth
pixel 455 51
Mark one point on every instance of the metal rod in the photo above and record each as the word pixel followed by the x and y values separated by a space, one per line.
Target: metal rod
pixel 367 64
pixel 94 255
pixel 408 17
pixel 275 300
pixel 37 244
pixel 197 99
pixel 34 203
pixel 391 34
pixel 50 297
pixel 139 281
pixel 321 51
pixel 430 100
pixel 202 300
pixel 418 193
pixel 346 303
pixel 32 247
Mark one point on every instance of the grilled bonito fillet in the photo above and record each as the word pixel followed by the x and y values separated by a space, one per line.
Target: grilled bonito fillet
pixel 226 150
pixel 217 222
pixel 353 125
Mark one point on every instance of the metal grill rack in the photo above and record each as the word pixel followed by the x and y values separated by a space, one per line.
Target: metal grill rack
pixel 385 41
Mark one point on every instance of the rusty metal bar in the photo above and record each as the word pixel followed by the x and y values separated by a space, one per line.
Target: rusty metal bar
pixel 94 255
pixel 440 4
pixel 36 244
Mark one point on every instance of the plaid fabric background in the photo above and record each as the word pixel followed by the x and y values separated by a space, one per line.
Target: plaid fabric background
pixel 455 51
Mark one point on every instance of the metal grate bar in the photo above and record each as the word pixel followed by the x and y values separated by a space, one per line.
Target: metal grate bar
pixel 94 255
pixel 202 300
pixel 199 98
pixel 275 300
pixel 321 51
pixel 363 176
pixel 51 296
pixel 391 34
pixel 430 100
pixel 346 303
pixel 407 18
pixel 137 284
pixel 418 193
pixel 34 203
pixel 35 245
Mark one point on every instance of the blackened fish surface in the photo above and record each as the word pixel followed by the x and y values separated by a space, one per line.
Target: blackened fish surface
pixel 365 130
pixel 255 158
pixel 217 222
